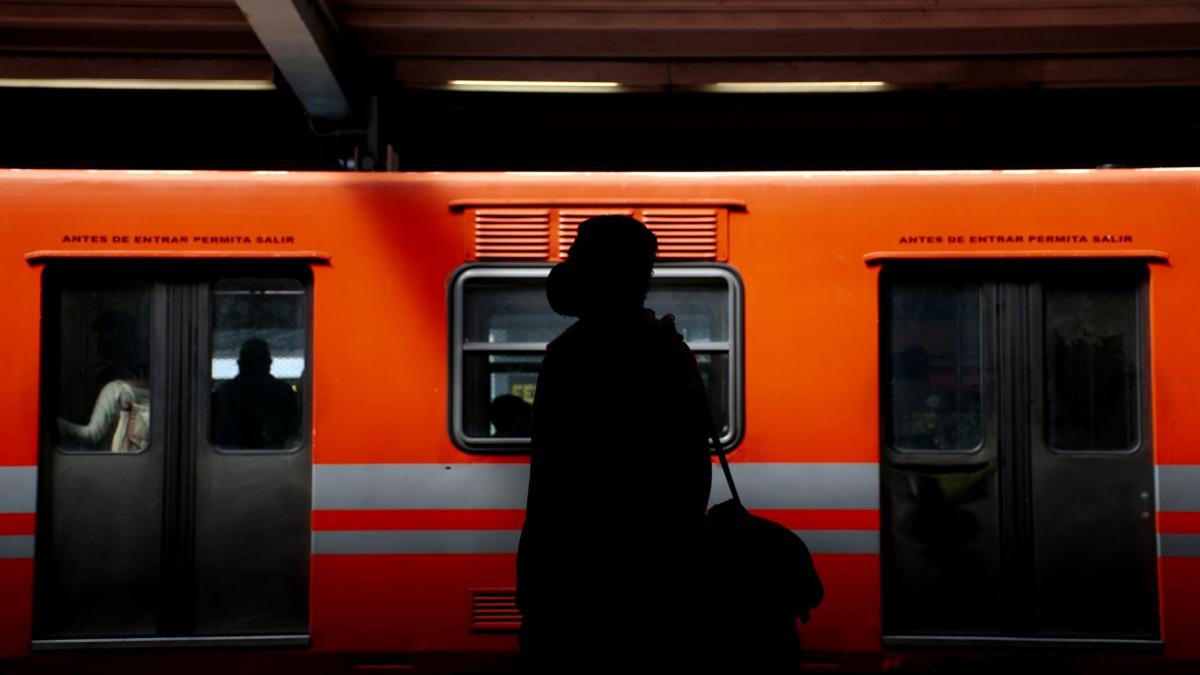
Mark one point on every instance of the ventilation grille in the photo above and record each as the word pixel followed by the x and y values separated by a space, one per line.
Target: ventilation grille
pixel 547 234
pixel 684 233
pixel 512 233
pixel 494 609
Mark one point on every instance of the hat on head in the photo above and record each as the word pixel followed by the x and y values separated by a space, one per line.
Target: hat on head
pixel 607 268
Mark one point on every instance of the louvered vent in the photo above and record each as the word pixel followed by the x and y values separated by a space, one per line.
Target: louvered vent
pixel 684 233
pixel 545 232
pixel 569 220
pixel 494 609
pixel 512 234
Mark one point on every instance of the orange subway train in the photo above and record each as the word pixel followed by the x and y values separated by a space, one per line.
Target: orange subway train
pixel 288 413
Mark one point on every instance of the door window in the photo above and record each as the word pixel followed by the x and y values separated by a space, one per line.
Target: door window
pixel 102 397
pixel 1092 372
pixel 933 367
pixel 259 340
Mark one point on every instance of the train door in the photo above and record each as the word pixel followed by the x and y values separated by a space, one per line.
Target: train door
pixel 1017 472
pixel 175 471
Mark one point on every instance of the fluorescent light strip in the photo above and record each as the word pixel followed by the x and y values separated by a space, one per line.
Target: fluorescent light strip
pixel 89 83
pixel 794 87
pixel 531 85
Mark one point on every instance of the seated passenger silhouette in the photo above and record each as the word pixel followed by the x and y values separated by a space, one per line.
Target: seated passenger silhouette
pixel 609 575
pixel 120 417
pixel 255 410
pixel 511 416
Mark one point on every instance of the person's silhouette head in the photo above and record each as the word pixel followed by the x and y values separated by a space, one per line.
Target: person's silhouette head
pixel 607 270
pixel 511 416
pixel 254 360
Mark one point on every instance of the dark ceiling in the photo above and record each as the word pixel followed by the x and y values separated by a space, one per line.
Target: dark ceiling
pixel 972 83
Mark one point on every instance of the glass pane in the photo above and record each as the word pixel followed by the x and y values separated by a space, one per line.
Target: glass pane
pixel 258 361
pixel 501 310
pixel 700 306
pixel 1091 368
pixel 933 360
pixel 104 369
pixel 498 394
pixel 714 371
pixel 509 310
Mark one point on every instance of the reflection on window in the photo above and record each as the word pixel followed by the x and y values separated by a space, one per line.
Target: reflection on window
pixel 258 362
pixel 700 306
pixel 104 369
pixel 506 323
pixel 933 359
pixel 509 310
pixel 714 371
pixel 1091 368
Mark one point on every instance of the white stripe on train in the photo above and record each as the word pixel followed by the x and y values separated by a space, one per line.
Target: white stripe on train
pixel 782 485
pixel 502 486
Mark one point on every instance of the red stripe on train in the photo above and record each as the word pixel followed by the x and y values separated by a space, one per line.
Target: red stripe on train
pixel 17 523
pixel 512 519
pixel 1178 522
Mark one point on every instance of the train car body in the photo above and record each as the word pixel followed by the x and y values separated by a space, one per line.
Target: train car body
pixel 971 392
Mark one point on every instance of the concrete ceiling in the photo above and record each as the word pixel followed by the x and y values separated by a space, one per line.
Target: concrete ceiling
pixel 330 51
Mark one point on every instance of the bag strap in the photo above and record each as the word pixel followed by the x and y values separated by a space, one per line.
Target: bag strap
pixel 720 449
pixel 712 433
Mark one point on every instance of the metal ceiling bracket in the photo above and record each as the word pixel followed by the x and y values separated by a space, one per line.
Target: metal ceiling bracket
pixel 298 36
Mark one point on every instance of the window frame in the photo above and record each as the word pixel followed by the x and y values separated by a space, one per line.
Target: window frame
pixel 1040 423
pixel 56 278
pixel 986 295
pixel 301 274
pixel 733 347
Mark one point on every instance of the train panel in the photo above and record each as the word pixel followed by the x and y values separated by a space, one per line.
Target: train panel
pixel 409 530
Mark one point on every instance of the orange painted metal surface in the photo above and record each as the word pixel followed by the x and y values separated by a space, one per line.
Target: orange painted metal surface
pixel 385 247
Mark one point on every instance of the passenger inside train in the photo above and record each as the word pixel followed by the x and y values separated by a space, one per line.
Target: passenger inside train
pixel 120 417
pixel 255 410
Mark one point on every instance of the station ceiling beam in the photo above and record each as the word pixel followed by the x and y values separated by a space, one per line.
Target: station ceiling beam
pixel 300 37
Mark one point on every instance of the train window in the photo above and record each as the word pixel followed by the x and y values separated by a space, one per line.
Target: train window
pixel 259 343
pixel 502 324
pixel 933 355
pixel 509 311
pixel 103 363
pixel 1091 367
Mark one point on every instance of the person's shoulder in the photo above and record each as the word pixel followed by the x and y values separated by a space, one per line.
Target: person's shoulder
pixel 281 386
pixel 566 340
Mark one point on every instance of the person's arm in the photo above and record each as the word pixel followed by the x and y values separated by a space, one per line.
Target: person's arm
pixel 108 405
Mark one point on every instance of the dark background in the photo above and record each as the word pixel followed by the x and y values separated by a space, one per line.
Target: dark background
pixel 443 130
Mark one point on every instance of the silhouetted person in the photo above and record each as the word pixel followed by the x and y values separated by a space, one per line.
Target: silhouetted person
pixel 255 410
pixel 609 574
pixel 511 416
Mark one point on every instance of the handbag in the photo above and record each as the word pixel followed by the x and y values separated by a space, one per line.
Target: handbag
pixel 768 581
